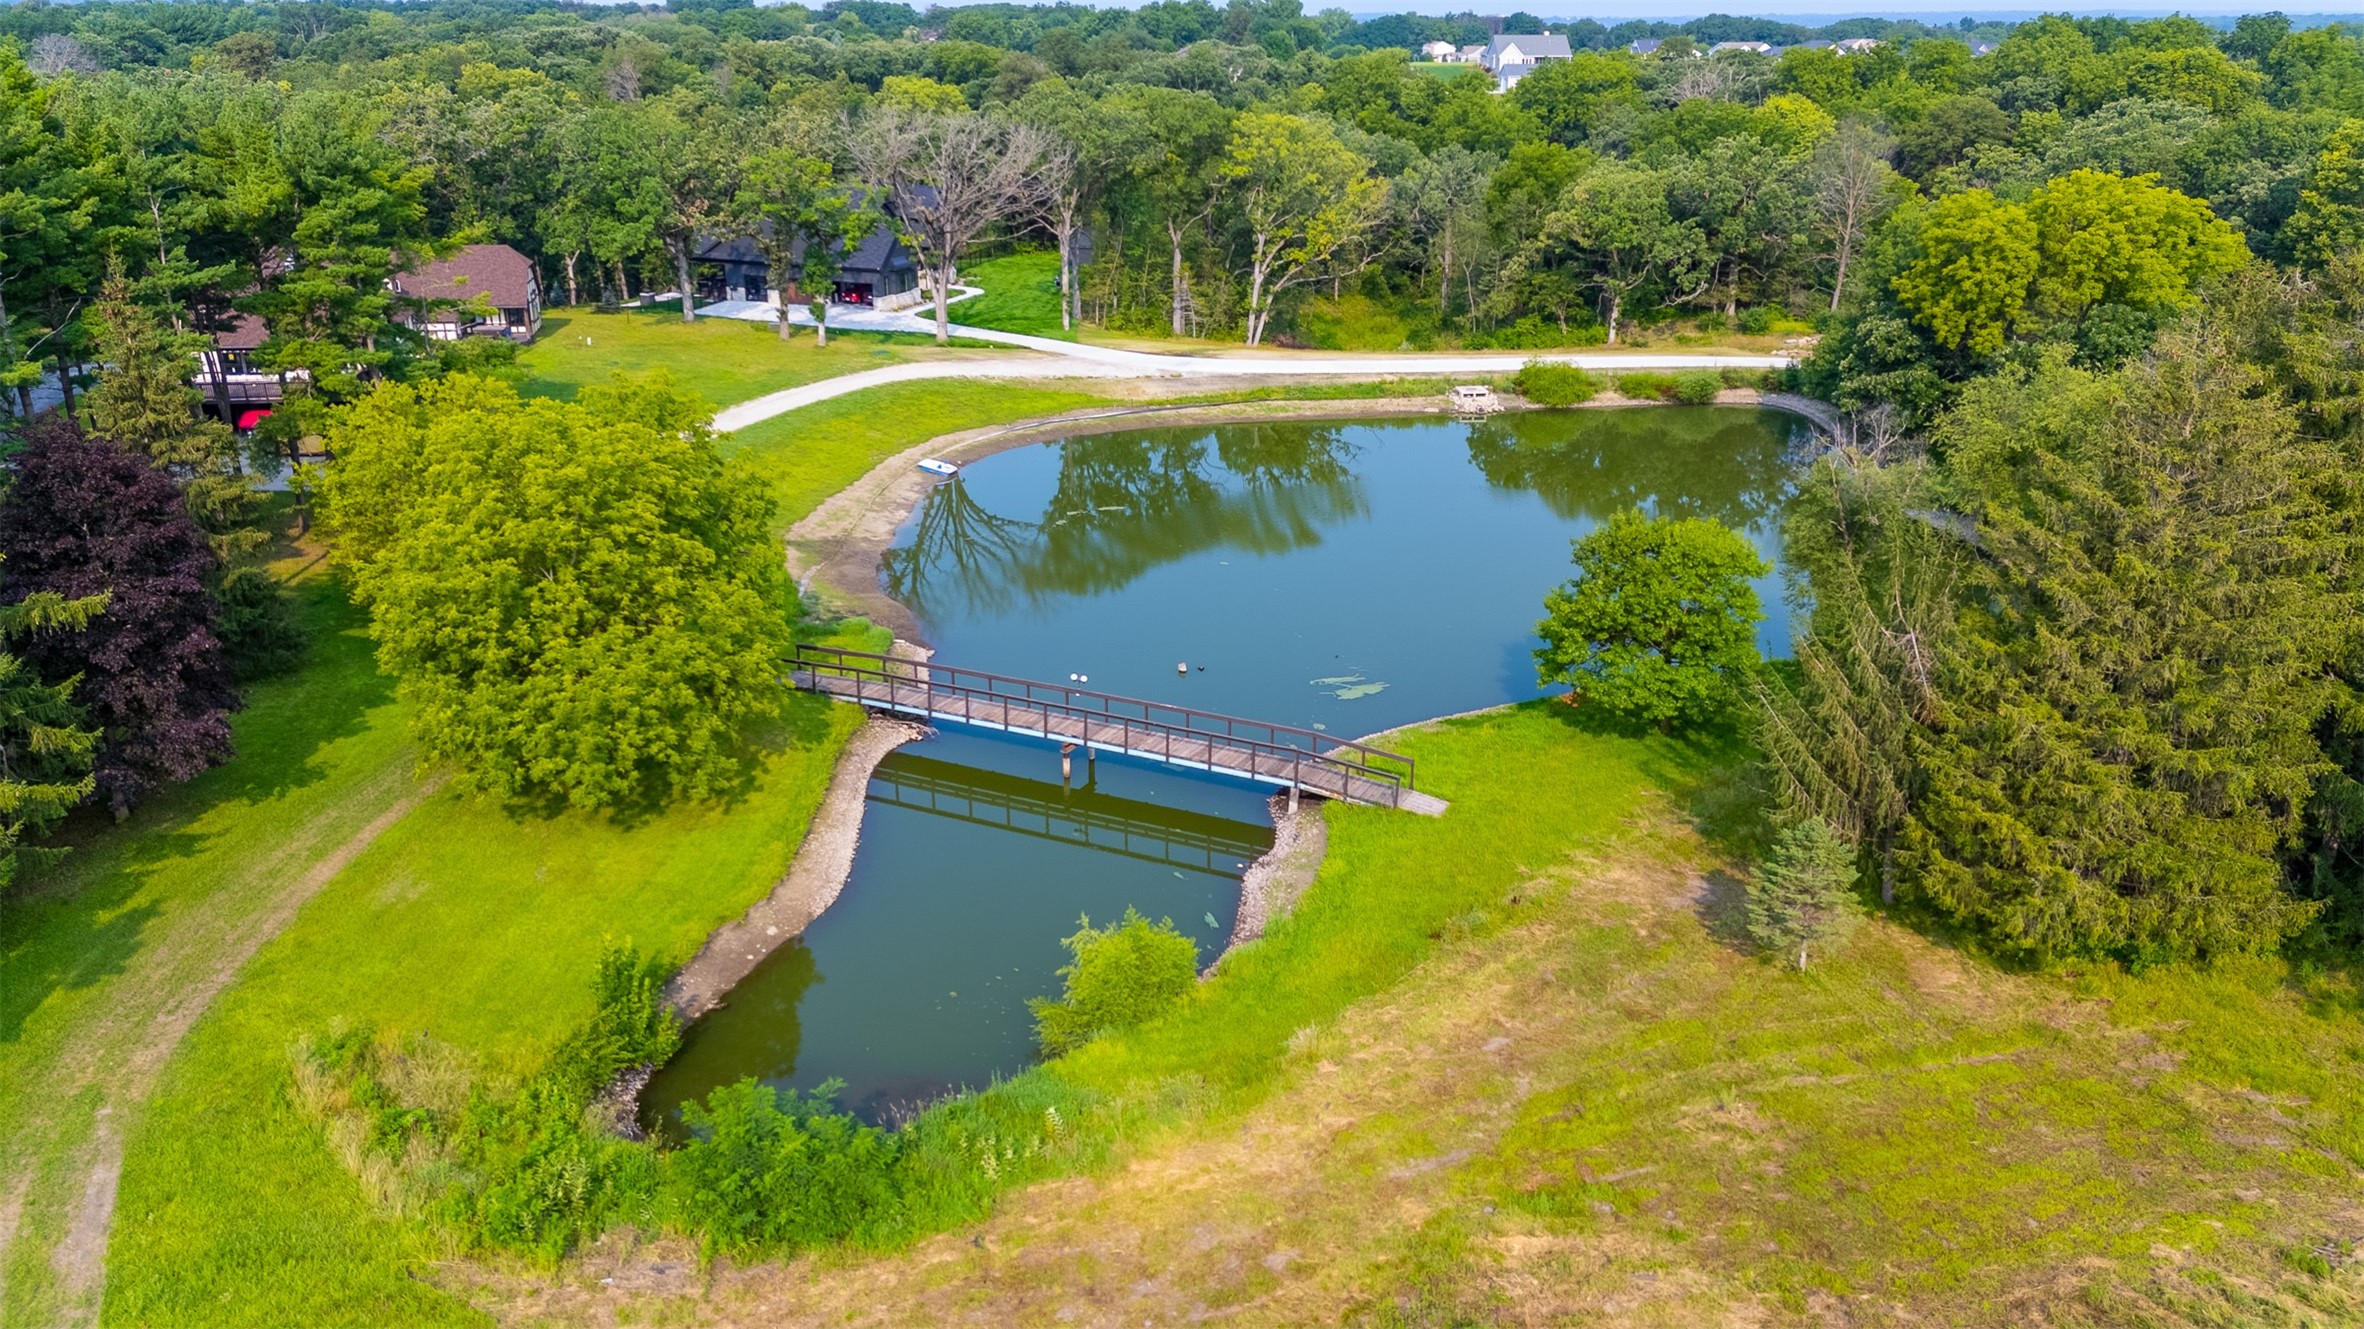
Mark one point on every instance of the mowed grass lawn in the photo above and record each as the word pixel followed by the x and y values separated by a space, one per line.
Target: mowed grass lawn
pixel 460 919
pixel 1021 294
pixel 723 360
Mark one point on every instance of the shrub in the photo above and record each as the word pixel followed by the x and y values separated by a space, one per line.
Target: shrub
pixel 1803 898
pixel 1697 387
pixel 1121 975
pixel 1757 320
pixel 1533 333
pixel 260 636
pixel 1646 386
pixel 1547 384
pixel 773 1172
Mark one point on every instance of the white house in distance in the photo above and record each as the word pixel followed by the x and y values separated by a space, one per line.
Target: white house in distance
pixel 1442 52
pixel 1512 56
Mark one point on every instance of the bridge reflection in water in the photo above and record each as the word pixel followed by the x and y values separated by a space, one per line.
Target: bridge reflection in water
pixel 1150 832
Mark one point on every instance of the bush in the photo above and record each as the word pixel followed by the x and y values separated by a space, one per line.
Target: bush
pixel 769 1172
pixel 1647 386
pixel 260 636
pixel 1548 384
pixel 1697 387
pixel 1757 320
pixel 1534 333
pixel 1121 975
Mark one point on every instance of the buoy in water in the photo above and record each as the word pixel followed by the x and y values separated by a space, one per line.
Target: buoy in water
pixel 1182 667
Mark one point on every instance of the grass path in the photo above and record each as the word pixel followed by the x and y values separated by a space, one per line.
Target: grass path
pixel 114 957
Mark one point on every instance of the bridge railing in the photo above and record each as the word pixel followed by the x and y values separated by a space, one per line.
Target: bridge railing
pixel 1285 742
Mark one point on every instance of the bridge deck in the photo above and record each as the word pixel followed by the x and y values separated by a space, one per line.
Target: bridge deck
pixel 1150 740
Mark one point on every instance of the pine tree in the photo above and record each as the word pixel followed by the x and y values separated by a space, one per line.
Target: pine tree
pixel 1803 898
pixel 46 740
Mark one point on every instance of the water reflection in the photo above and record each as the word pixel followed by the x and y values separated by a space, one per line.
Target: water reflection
pixel 1123 504
pixel 1700 462
pixel 972 866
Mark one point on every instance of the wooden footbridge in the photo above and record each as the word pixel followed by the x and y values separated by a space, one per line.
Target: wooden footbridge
pixel 1302 761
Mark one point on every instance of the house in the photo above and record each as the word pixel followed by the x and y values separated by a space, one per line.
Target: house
pixel 1753 48
pixel 1856 45
pixel 481 291
pixel 1469 55
pixel 236 390
pixel 1644 46
pixel 734 268
pixel 1978 48
pixel 1512 56
pixel 1442 52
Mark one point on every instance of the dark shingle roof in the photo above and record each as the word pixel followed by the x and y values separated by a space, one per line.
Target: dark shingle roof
pixel 500 274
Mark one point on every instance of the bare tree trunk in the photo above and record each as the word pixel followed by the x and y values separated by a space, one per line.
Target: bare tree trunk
pixel 1616 312
pixel 944 272
pixel 820 323
pixel 1180 288
pixel 1066 275
pixel 681 271
pixel 1838 283
pixel 574 292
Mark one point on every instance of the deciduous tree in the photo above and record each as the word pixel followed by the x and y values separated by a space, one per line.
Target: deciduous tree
pixel 1659 623
pixel 88 518
pixel 582 600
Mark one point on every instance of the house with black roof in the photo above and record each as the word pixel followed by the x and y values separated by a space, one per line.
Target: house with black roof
pixel 734 268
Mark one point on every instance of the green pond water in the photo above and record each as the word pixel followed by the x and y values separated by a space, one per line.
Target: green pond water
pixel 1349 576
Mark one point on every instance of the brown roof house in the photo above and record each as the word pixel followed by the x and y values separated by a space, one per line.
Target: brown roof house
pixel 481 291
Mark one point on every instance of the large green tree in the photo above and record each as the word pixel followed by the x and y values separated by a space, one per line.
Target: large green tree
pixel 1301 196
pixel 2126 743
pixel 582 600
pixel 1659 624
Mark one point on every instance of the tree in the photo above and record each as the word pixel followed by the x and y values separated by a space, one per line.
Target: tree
pixel 2330 216
pixel 1854 187
pixel 948 179
pixel 1659 623
pixel 143 402
pixel 1625 237
pixel 583 602
pixel 87 518
pixel 2108 240
pixel 46 741
pixel 1969 286
pixel 799 212
pixel 1301 196
pixel 1120 975
pixel 1803 898
pixel 691 149
pixel 2133 681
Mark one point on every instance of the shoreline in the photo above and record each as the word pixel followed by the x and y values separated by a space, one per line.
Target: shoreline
pixel 837 547
pixel 854 527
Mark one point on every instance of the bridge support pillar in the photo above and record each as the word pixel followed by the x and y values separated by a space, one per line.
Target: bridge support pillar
pixel 1292 799
pixel 1067 762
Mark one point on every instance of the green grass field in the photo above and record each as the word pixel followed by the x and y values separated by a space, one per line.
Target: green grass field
pixel 807 455
pixel 723 360
pixel 1514 1066
pixel 458 918
pixel 1907 1127
pixel 1021 295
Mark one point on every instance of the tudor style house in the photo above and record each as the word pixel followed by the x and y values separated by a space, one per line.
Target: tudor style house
pixel 481 291
pixel 1512 56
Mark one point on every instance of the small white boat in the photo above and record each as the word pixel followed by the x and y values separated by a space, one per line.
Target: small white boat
pixel 935 467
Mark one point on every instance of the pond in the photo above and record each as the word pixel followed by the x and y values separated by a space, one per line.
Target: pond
pixel 1348 576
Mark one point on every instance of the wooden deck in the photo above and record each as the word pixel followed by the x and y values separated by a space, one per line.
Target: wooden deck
pixel 1324 767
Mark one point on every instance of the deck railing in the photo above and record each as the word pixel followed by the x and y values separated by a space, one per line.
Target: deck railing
pixel 1132 724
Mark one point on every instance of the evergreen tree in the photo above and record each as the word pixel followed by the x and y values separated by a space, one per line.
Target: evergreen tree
pixel 1803 898
pixel 46 740
pixel 143 401
pixel 2131 689
pixel 86 518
